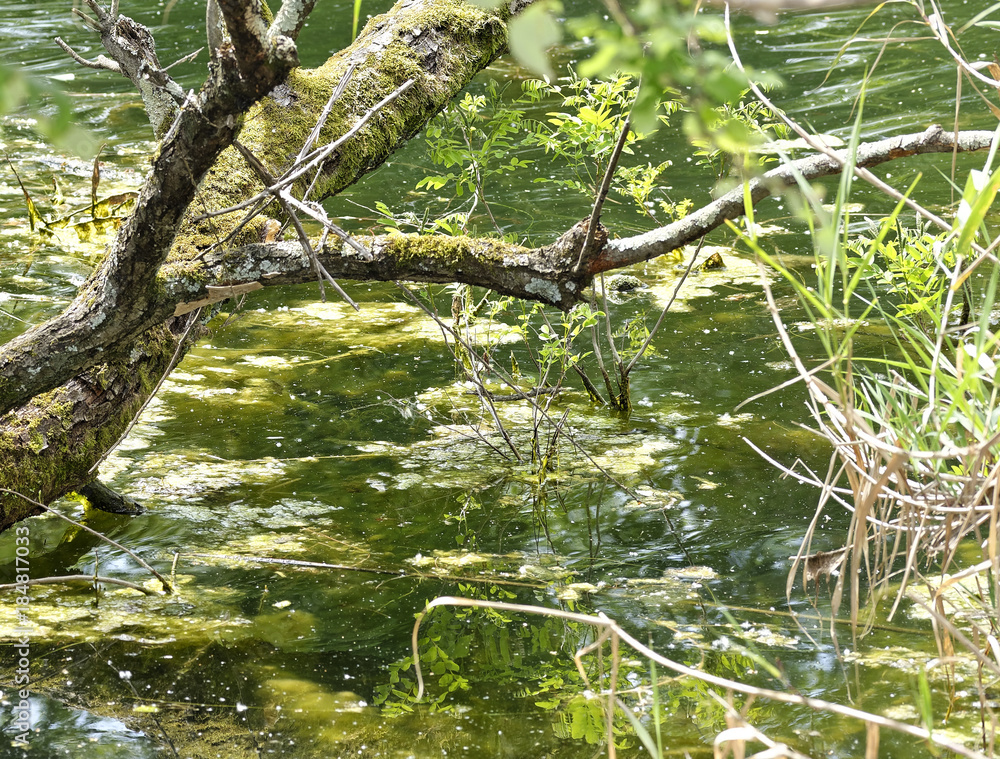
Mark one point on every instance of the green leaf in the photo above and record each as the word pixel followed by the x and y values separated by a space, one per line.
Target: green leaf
pixel 531 33
pixel 433 183
pixel 17 89
pixel 980 190
pixel 924 701
pixel 578 727
pixel 34 217
pixel 590 116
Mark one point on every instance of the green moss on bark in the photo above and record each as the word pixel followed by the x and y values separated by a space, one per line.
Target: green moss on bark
pixel 445 251
pixel 440 46
pixel 49 445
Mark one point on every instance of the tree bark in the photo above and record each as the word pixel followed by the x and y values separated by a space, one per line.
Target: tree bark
pixel 440 44
pixel 112 306
pixel 48 446
pixel 549 274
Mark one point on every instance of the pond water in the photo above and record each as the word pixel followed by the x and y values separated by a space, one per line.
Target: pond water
pixel 300 432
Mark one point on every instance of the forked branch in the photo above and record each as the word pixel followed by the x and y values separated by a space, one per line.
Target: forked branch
pixel 132 51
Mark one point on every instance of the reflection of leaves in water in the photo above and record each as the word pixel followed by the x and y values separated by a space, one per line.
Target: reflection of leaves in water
pixel 481 649
pixel 91 225
pixel 584 717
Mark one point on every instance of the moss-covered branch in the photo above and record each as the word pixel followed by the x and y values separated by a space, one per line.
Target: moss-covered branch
pixel 545 274
pixel 50 375
pixel 70 387
pixel 549 274
pixel 48 446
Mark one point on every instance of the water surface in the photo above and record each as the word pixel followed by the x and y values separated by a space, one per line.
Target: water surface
pixel 298 430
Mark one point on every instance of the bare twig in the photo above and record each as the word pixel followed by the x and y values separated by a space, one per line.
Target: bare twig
pixel 290 205
pixel 739 731
pixel 296 563
pixel 478 381
pixel 170 367
pixel 537 409
pixel 767 10
pixel 126 677
pixel 673 296
pixel 602 193
pixel 100 62
pixel 307 146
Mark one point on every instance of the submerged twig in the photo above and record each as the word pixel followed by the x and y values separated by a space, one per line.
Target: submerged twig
pixel 401 573
pixel 80 578
pixel 95 533
pixel 673 296
pixel 126 677
pixel 480 386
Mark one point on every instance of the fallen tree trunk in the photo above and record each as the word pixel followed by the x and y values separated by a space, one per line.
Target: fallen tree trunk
pixel 438 44
pixel 48 445
pixel 68 402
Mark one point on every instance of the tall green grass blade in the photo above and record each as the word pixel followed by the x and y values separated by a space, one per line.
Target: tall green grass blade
pixel 980 191
pixel 644 737
pixel 924 705
pixel 656 707
pixel 841 215
pixel 977 18
pixel 357 16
